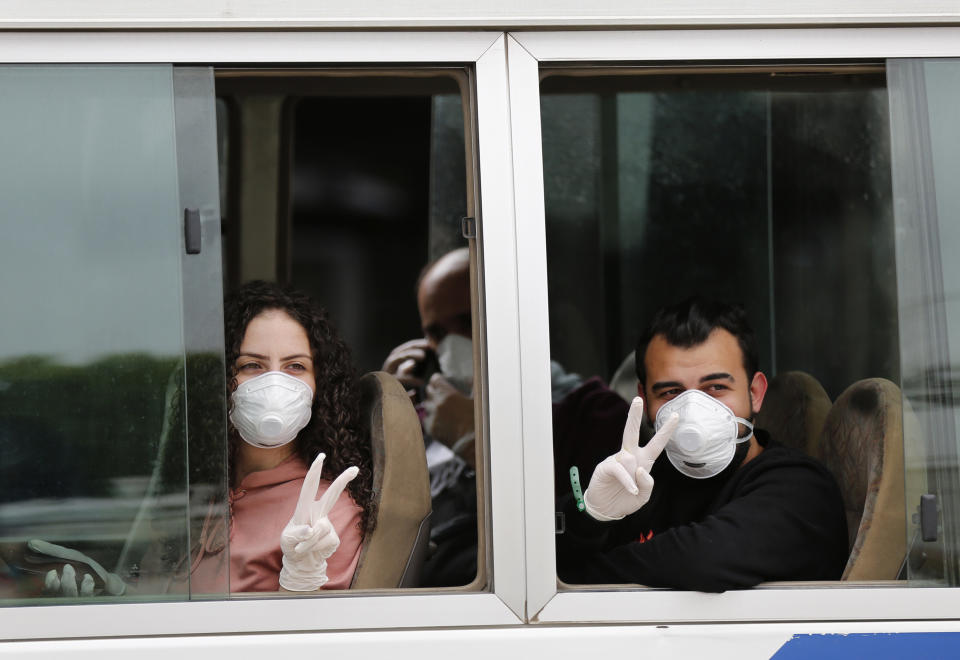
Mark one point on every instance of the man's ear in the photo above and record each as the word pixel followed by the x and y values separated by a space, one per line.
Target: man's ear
pixel 758 389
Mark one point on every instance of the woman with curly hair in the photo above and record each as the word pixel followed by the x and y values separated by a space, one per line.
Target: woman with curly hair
pixel 293 404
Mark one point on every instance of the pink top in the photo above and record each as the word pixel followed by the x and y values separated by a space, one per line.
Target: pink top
pixel 260 507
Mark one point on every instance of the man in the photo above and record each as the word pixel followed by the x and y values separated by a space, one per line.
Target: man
pixel 708 503
pixel 443 299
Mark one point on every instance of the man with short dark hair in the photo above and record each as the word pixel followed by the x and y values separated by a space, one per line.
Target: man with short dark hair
pixel 708 503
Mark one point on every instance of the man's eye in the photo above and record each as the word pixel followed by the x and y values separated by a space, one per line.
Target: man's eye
pixel 435 332
pixel 716 389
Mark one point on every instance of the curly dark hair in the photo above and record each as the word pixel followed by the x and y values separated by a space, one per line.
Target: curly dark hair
pixel 334 426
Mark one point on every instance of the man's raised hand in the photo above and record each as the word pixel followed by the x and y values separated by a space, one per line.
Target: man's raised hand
pixel 404 362
pixel 621 483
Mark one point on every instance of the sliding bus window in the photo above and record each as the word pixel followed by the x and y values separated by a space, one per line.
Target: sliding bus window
pixel 351 184
pixel 774 189
pixel 118 458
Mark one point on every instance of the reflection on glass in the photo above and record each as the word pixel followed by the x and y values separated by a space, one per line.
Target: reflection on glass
pixel 754 189
pixel 92 424
pixel 923 98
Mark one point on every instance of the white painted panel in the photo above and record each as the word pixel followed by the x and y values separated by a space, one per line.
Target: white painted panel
pixel 497 234
pixel 482 644
pixel 246 47
pixel 334 612
pixel 534 325
pixel 765 44
pixel 843 602
pixel 467 13
pixel 737 642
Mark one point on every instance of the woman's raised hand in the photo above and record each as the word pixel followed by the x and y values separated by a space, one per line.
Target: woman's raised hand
pixel 309 538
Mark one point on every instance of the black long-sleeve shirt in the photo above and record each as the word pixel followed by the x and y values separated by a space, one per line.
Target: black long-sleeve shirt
pixel 779 517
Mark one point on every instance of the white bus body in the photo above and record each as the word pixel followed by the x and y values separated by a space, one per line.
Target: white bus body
pixel 522 611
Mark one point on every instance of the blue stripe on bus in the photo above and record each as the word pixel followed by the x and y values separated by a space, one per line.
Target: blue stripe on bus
pixel 876 646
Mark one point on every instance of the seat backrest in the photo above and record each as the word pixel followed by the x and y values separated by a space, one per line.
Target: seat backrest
pixel 624 379
pixel 393 553
pixel 794 410
pixel 862 445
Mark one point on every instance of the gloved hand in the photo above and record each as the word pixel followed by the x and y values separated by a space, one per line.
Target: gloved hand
pixel 309 538
pixel 621 484
pixel 65 583
pixel 449 412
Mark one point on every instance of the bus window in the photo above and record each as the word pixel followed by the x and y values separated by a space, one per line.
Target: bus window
pixel 924 141
pixel 351 187
pixel 124 402
pixel 768 189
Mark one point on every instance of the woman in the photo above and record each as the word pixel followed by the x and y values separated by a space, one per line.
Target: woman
pixel 293 397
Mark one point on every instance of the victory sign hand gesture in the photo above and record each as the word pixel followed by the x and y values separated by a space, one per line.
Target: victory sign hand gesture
pixel 309 538
pixel 621 483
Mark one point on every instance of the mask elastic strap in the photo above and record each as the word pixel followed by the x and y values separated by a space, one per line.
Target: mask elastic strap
pixel 749 425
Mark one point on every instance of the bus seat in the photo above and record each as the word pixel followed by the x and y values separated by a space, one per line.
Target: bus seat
pixel 393 553
pixel 862 445
pixel 794 410
pixel 624 379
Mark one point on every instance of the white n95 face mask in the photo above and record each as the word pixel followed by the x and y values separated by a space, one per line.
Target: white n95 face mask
pixel 455 357
pixel 270 409
pixel 705 439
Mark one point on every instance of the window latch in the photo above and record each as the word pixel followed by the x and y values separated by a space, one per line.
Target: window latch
pixel 468 226
pixel 191 230
pixel 928 517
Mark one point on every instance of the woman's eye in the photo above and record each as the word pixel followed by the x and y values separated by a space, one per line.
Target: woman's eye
pixel 249 366
pixel 296 367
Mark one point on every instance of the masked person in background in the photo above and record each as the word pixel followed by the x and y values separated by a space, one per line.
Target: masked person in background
pixel 709 503
pixel 438 369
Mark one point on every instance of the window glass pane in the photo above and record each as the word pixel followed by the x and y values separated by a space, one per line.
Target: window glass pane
pixel 772 190
pixel 93 406
pixel 350 183
pixel 923 97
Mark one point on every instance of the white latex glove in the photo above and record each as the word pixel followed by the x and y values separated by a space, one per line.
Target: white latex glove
pixel 65 583
pixel 621 484
pixel 309 538
pixel 449 412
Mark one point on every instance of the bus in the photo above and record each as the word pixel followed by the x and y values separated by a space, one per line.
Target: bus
pixel 597 163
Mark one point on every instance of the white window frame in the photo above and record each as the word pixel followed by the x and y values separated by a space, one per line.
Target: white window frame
pixel 496 14
pixel 546 604
pixel 504 603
